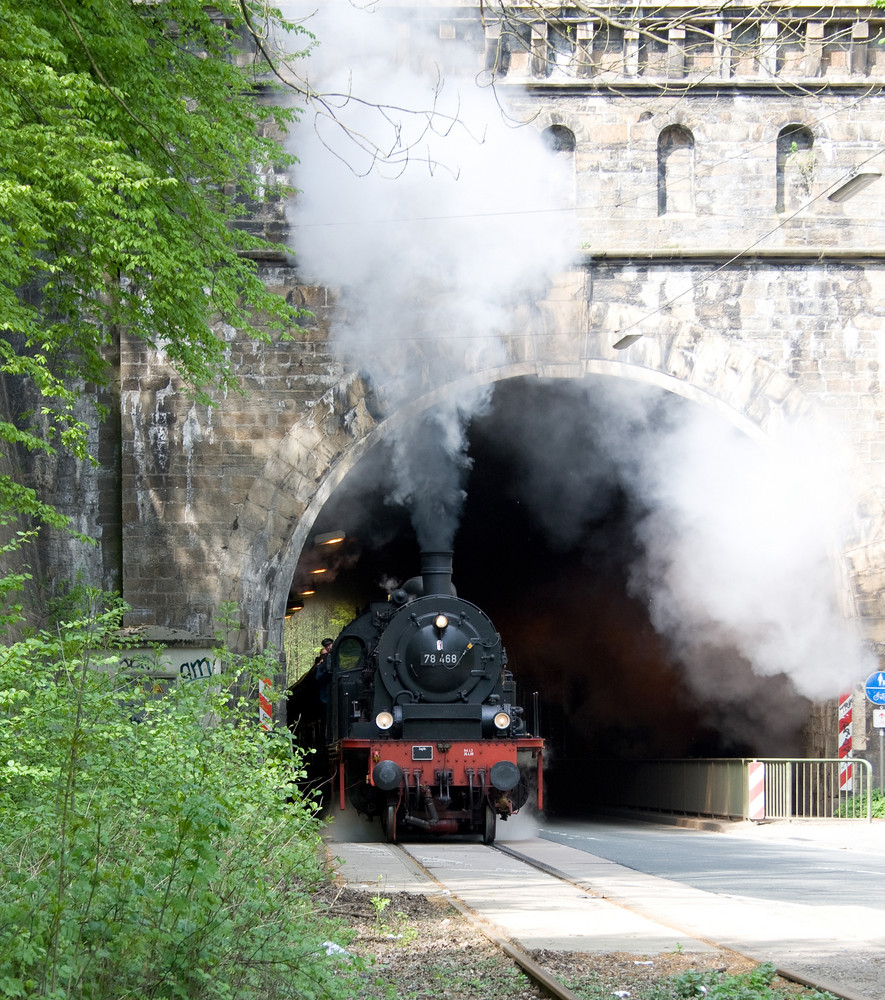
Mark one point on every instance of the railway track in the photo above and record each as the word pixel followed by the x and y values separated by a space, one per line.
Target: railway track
pixel 542 976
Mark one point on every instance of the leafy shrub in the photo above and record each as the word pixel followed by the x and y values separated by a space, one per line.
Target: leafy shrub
pixel 712 985
pixel 153 844
pixel 857 806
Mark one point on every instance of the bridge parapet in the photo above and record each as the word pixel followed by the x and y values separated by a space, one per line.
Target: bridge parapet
pixel 678 42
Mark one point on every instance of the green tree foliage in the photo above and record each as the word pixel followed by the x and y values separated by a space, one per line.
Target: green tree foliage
pixel 152 842
pixel 130 138
pixel 304 631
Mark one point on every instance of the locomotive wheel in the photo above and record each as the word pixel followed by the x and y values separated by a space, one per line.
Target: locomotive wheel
pixel 490 822
pixel 389 821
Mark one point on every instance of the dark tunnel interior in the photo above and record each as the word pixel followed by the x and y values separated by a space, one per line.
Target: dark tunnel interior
pixel 545 546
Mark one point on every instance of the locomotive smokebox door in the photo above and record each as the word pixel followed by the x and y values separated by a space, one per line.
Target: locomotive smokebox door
pixel 440 649
pixel 441 660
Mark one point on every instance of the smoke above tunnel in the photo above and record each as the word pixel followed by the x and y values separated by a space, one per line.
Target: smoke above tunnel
pixel 733 542
pixel 435 216
pixel 739 550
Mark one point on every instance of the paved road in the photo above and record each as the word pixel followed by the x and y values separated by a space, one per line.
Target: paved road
pixel 793 869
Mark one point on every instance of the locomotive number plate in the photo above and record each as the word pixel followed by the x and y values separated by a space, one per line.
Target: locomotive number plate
pixel 422 753
pixel 440 659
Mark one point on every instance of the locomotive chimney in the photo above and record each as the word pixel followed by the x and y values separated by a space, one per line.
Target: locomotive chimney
pixel 436 572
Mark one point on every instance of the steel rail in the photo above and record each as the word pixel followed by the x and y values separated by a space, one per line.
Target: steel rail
pixel 537 973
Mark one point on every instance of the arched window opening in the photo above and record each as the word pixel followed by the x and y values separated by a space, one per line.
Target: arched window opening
pixel 559 139
pixel 795 167
pixel 675 170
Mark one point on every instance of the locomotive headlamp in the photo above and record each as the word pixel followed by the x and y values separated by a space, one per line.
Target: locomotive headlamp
pixel 502 720
pixel 441 622
pixel 384 720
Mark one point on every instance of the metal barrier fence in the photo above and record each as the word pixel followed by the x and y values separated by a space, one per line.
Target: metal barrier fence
pixel 783 788
pixel 823 788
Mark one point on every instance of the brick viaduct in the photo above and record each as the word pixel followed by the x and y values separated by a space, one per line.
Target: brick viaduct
pixel 704 151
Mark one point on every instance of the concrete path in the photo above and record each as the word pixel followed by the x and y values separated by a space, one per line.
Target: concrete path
pixel 540 911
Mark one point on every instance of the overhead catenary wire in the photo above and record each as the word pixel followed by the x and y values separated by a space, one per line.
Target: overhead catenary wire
pixel 625 331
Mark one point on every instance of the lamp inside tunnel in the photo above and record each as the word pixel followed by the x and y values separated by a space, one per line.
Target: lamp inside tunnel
pixel 329 538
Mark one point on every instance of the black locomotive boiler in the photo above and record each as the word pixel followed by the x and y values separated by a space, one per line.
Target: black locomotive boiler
pixel 423 729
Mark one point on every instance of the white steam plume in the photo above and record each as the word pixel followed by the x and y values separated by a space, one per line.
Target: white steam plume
pixel 740 547
pixel 431 248
pixel 737 540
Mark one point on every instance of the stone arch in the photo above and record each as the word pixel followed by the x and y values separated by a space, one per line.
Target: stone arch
pixel 547 122
pixel 675 170
pixel 795 166
pixel 559 138
pixel 320 449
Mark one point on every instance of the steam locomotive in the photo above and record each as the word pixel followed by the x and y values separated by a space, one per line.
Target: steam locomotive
pixel 422 727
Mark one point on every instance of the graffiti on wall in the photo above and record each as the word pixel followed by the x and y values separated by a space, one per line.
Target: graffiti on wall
pixel 189 664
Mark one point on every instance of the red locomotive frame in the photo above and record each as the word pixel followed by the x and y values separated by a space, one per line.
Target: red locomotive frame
pixel 466 763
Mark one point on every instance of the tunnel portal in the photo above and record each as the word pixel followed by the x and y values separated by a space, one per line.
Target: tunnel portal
pixel 548 545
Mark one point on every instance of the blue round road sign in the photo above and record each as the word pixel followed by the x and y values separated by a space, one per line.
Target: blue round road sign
pixel 875 687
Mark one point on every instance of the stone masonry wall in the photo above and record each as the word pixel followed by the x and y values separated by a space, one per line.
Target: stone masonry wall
pixel 747 288
pixel 760 311
pixel 202 483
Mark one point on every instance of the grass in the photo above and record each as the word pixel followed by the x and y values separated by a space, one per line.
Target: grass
pixel 756 983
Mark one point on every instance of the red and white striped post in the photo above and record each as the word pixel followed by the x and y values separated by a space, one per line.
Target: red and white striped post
pixel 265 709
pixel 846 770
pixel 756 779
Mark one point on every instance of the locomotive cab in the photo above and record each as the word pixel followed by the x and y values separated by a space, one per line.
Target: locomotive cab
pixel 423 726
